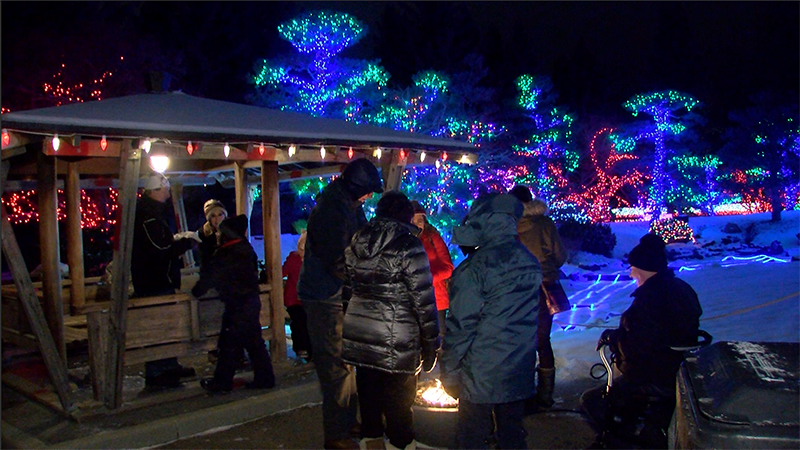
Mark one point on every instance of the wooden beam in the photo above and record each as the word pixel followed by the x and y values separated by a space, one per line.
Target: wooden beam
pixel 271 222
pixel 130 162
pixel 392 171
pixel 56 367
pixel 176 192
pixel 240 177
pixel 49 251
pixel 77 295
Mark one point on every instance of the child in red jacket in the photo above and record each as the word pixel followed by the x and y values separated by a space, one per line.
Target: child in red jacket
pixel 298 326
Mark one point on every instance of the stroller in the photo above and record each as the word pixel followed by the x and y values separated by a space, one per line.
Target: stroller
pixel 631 417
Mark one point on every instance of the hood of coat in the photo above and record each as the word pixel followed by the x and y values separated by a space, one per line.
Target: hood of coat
pixel 378 234
pixel 491 218
pixel 533 210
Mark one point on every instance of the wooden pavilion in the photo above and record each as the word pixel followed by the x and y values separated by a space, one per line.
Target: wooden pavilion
pixel 103 144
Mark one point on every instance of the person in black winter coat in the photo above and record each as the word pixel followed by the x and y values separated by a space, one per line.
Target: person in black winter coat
pixel 233 271
pixel 665 313
pixel 156 266
pixel 390 328
pixel 336 217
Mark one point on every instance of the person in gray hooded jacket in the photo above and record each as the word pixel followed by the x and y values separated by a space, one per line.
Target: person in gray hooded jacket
pixel 489 353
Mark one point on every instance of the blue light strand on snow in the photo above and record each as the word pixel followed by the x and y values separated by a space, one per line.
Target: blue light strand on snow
pixel 758 258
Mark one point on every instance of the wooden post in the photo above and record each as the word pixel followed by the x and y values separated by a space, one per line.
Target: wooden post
pixel 49 250
pixel 72 190
pixel 130 161
pixel 240 178
pixel 271 221
pixel 33 309
pixel 176 192
pixel 392 172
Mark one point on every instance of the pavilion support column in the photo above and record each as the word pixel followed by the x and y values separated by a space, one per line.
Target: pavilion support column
pixel 271 221
pixel 130 162
pixel 72 191
pixel 176 192
pixel 392 172
pixel 240 179
pixel 49 249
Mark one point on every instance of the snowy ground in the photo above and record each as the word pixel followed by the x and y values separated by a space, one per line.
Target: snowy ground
pixel 746 294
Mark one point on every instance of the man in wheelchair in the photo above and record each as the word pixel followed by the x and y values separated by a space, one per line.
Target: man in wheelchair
pixel 663 320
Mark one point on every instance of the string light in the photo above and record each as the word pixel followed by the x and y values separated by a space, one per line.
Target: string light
pixel 226 150
pixel 350 153
pixel 292 150
pixel 444 156
pixel 146 146
pixel 56 143
pixel 402 154
pixel 6 138
pixel 261 149
pixel 422 155
pixel 377 153
pixel 322 152
pixel 159 163
pixel 189 148
pixel 103 143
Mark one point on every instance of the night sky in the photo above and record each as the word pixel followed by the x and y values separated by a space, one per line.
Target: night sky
pixel 598 54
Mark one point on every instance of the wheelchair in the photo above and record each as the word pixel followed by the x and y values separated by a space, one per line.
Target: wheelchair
pixel 627 416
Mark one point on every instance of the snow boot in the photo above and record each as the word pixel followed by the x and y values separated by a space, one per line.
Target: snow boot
pixel 411 446
pixel 546 380
pixel 372 444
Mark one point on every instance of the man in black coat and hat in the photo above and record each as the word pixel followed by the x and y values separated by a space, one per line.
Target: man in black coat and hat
pixel 336 217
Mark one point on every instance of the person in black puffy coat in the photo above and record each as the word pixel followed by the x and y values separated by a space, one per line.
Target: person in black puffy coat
pixel 233 272
pixel 390 329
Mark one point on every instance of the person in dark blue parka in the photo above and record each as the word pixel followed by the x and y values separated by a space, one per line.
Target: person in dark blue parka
pixel 489 352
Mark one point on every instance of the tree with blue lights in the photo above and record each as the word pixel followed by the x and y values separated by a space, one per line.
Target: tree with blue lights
pixel 766 139
pixel 671 112
pixel 317 80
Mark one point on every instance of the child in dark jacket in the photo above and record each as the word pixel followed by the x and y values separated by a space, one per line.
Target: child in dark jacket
pixel 233 271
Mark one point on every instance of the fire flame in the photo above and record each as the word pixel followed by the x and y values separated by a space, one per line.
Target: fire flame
pixel 436 396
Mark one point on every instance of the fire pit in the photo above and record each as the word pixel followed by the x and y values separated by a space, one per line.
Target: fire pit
pixel 435 415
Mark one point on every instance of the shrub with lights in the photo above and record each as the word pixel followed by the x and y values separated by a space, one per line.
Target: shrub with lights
pixel 672 230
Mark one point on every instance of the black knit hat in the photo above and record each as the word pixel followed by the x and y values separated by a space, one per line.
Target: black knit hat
pixel 395 205
pixel 418 208
pixel 522 193
pixel 234 227
pixel 650 254
pixel 361 177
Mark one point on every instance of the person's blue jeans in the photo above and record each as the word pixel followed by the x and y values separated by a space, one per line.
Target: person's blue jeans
pixel 476 425
pixel 336 379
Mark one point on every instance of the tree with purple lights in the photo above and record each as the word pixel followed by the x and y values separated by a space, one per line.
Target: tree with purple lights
pixel 317 81
pixel 671 112
pixel 766 139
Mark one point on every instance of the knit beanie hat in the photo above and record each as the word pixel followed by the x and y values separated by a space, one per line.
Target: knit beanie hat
pixel 361 177
pixel 395 205
pixel 213 205
pixel 650 254
pixel 234 227
pixel 522 193
pixel 418 209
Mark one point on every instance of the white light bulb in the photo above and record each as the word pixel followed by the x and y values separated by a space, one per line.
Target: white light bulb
pixel 56 142
pixel 146 146
pixel 377 153
pixel 422 156
pixel 159 163
pixel 322 152
pixel 226 150
pixel 292 150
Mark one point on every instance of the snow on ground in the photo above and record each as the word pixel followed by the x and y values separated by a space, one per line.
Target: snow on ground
pixel 746 294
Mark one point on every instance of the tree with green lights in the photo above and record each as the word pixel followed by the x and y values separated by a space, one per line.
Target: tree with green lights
pixel 317 80
pixel 547 137
pixel 766 139
pixel 671 113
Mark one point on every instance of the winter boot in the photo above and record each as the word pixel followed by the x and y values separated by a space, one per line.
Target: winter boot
pixel 372 444
pixel 546 380
pixel 411 446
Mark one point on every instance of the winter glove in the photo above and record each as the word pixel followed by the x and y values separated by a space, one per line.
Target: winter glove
pixel 605 339
pixel 429 362
pixel 187 235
